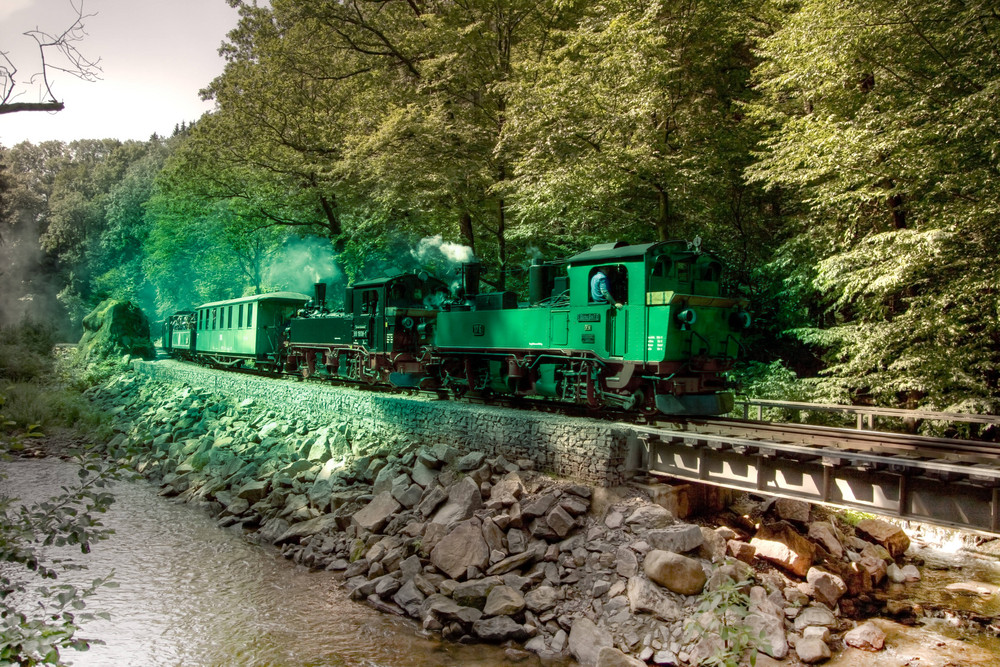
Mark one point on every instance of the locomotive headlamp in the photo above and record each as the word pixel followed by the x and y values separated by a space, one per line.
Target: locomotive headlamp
pixel 686 317
pixel 740 320
pixel 407 322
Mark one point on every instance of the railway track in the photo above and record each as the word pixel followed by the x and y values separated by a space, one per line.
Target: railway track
pixel 945 481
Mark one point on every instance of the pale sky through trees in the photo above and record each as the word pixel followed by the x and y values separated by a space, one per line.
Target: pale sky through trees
pixel 156 56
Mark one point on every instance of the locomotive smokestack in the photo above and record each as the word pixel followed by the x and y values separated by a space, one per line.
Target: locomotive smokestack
pixel 320 295
pixel 540 277
pixel 470 277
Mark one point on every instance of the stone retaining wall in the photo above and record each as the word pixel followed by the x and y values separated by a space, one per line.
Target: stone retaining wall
pixel 586 449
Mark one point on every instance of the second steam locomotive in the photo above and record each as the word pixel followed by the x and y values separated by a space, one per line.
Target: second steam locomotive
pixel 633 327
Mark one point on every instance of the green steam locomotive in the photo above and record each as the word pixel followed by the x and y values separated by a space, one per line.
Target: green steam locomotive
pixel 630 327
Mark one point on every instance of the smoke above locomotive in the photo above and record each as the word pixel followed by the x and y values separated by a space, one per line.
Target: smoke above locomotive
pixel 627 327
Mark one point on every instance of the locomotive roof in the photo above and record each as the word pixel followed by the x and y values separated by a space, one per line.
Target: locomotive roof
pixel 374 282
pixel 270 296
pixel 612 251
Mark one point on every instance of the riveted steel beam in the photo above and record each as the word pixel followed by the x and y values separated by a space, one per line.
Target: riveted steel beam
pixel 934 491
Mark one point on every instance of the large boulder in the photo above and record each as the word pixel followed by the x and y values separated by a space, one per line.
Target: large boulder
pixel 114 329
pixel 373 516
pixel 463 501
pixel 461 549
pixel 645 597
pixel 677 573
pixel 586 640
pixel 886 534
pixel 677 538
pixel 782 545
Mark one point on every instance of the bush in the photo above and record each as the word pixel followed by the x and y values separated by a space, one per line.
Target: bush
pixel 45 406
pixel 25 351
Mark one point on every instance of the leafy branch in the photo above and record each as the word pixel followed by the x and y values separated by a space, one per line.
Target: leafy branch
pixel 38 617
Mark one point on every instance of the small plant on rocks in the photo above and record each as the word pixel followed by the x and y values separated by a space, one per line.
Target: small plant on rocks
pixel 727 640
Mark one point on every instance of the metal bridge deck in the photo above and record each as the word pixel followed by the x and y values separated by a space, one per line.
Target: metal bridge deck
pixel 902 478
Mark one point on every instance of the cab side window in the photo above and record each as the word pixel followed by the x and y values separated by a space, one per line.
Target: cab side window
pixel 369 301
pixel 661 278
pixel 608 284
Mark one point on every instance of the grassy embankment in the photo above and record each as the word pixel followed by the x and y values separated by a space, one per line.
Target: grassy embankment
pixel 41 391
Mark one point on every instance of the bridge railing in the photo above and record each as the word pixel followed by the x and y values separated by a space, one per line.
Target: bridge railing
pixel 865 415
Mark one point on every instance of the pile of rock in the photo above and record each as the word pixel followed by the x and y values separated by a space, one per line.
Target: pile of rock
pixel 113 329
pixel 485 549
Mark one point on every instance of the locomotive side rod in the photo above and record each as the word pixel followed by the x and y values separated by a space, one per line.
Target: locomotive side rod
pixel 893 484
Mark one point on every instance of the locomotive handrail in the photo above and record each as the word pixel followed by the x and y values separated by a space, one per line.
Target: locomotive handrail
pixel 866 413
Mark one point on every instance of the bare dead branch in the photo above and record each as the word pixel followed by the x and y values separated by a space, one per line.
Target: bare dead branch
pixel 13 107
pixel 57 52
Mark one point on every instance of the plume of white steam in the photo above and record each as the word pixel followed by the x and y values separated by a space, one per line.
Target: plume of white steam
pixel 442 258
pixel 435 251
pixel 300 263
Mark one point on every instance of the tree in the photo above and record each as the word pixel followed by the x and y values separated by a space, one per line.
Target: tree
pixel 627 120
pixel 882 126
pixel 393 126
pixel 57 52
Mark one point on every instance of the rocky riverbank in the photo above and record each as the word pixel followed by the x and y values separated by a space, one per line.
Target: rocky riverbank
pixel 482 549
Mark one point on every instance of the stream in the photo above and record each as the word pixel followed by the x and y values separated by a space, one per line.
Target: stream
pixel 193 594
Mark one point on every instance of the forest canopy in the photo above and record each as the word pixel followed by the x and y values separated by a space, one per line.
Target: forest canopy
pixel 841 157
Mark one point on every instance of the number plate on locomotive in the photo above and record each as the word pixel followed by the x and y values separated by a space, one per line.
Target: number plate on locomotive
pixel 588 317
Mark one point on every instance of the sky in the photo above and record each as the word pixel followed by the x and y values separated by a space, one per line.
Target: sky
pixel 155 56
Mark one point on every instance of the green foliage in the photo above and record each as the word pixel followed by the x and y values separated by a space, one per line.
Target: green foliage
pixel 35 394
pixel 48 406
pixel 40 618
pixel 854 517
pixel 882 132
pixel 25 350
pixel 631 122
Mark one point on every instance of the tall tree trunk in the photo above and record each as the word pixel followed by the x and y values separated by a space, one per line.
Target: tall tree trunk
pixel 897 211
pixel 502 243
pixel 663 219
pixel 332 221
pixel 465 230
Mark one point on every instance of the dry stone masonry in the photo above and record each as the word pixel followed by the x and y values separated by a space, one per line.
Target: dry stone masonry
pixel 584 449
pixel 484 544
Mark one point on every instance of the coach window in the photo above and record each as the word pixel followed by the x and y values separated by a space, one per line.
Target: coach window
pixel 249 315
pixel 229 322
pixel 239 317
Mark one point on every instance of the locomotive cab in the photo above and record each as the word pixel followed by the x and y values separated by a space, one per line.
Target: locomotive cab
pixel 378 337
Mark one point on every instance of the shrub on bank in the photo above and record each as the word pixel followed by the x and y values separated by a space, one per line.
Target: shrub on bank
pixel 36 392
pixel 25 351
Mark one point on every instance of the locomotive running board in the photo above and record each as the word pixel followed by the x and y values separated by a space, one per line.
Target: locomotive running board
pixel 947 494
